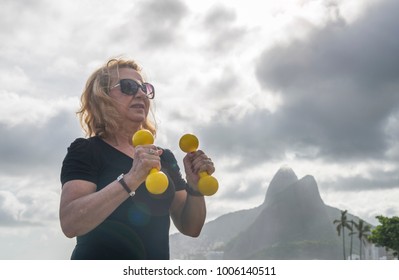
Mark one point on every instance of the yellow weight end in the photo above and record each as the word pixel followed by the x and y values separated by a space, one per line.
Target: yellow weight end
pixel 208 185
pixel 157 182
pixel 188 143
pixel 142 137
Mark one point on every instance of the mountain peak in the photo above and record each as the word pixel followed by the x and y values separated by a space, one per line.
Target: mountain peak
pixel 285 173
pixel 284 177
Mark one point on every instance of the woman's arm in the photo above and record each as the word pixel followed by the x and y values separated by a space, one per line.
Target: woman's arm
pixel 188 213
pixel 82 208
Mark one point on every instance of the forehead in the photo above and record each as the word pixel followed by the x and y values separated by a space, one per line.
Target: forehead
pixel 128 73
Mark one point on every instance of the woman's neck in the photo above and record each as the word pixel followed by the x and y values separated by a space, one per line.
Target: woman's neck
pixel 122 138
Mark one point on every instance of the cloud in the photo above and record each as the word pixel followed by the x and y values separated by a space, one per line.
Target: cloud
pixel 223 33
pixel 375 179
pixel 30 199
pixel 392 132
pixel 339 86
pixel 10 209
pixel 11 23
pixel 29 149
pixel 152 25
pixel 336 110
pixel 30 207
pixel 41 203
pixel 35 243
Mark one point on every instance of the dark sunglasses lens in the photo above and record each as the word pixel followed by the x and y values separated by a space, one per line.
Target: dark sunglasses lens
pixel 129 87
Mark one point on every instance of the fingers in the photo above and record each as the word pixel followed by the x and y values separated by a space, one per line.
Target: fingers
pixel 201 162
pixel 148 150
pixel 148 156
pixel 154 151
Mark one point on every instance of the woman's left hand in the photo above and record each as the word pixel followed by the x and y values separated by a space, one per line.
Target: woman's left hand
pixel 194 163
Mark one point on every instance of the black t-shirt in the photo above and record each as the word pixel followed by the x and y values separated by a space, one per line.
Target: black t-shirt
pixel 139 227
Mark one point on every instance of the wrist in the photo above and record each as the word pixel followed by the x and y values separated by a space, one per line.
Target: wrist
pixel 192 191
pixel 122 182
pixel 131 181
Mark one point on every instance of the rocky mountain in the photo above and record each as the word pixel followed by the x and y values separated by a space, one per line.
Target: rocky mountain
pixel 292 223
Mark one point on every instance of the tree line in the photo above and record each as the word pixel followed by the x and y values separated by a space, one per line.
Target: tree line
pixel 384 235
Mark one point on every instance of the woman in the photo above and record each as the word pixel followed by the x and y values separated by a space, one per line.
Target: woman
pixel 104 203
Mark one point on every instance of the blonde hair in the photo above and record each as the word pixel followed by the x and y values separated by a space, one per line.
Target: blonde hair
pixel 98 114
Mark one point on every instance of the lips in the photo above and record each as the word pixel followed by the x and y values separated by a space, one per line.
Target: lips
pixel 138 106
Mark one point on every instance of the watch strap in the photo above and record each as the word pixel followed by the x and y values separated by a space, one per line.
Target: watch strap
pixel 193 192
pixel 125 186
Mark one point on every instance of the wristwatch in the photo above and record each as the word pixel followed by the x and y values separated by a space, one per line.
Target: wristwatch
pixel 125 186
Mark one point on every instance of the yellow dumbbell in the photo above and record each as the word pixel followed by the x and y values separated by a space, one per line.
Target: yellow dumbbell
pixel 207 184
pixel 156 181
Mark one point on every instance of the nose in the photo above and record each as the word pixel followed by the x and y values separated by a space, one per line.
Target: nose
pixel 140 93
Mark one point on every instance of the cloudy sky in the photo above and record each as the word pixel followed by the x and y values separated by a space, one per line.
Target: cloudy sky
pixel 313 85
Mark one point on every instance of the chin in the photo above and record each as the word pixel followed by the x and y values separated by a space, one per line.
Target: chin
pixel 137 119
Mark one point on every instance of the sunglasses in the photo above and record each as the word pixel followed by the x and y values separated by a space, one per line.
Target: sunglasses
pixel 131 87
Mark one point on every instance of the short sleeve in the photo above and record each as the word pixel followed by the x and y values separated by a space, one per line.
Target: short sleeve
pixel 169 162
pixel 80 162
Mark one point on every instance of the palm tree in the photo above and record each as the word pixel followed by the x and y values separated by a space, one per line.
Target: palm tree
pixel 351 234
pixel 363 232
pixel 341 225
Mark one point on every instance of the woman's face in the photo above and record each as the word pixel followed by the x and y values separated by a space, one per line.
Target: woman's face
pixel 133 108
